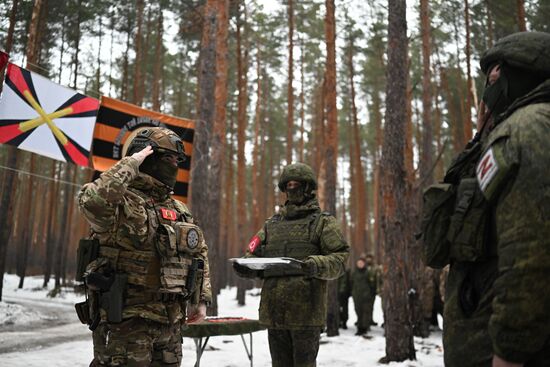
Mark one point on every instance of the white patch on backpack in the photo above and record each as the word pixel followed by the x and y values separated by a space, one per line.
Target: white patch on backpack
pixel 486 169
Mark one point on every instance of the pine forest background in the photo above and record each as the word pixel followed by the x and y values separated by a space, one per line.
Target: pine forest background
pixel 377 96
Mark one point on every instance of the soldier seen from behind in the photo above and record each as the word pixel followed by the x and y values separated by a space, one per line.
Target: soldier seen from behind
pixel 149 259
pixel 294 307
pixel 490 218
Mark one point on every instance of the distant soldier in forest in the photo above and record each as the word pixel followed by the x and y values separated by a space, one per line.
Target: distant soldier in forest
pixel 490 218
pixel 152 263
pixel 293 307
pixel 363 290
pixel 344 292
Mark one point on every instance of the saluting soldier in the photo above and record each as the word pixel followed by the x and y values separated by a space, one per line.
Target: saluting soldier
pixel 150 249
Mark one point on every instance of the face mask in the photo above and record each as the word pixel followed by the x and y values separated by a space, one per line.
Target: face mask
pixel 163 171
pixel 495 98
pixel 296 196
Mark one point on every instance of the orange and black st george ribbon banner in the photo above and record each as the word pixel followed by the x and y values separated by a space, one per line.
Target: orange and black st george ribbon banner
pixel 117 119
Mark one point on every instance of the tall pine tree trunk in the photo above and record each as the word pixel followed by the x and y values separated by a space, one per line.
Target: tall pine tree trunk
pixel 331 151
pixel 77 45
pixel 468 108
pixel 242 220
pixel 33 38
pixel 290 88
pixel 26 215
pixel 157 68
pixel 7 203
pixel 138 47
pixel 394 193
pixel 520 6
pixel 11 27
pixel 360 237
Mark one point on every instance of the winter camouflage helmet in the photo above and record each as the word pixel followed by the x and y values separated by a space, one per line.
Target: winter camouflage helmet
pixel 524 50
pixel 297 172
pixel 162 140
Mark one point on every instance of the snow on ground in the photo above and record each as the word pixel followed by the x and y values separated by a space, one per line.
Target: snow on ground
pixel 26 305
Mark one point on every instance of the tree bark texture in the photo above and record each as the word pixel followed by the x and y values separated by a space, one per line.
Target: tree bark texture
pixel 76 63
pixel 393 189
pixel 242 220
pixel 426 161
pixel 157 67
pixel 217 147
pixel 7 203
pixel 11 27
pixel 331 150
pixel 290 88
pixel 361 222
pixel 32 57
pixel 520 5
pixel 469 93
pixel 136 92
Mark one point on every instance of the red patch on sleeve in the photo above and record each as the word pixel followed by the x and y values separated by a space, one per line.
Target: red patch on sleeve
pixel 168 214
pixel 254 243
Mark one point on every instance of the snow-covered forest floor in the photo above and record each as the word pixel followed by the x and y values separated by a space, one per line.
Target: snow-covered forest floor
pixel 37 330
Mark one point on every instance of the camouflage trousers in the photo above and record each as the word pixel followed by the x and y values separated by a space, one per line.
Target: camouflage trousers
pixel 137 342
pixel 343 302
pixel 293 348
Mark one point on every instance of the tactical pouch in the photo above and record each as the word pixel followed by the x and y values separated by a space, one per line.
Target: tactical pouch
pixel 189 238
pixel 439 201
pixel 83 312
pixel 88 251
pixel 195 280
pixel 468 230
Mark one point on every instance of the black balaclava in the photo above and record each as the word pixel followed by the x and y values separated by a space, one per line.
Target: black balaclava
pixel 512 84
pixel 163 171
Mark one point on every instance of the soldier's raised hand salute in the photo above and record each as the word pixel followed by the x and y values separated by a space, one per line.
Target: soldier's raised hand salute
pixel 142 154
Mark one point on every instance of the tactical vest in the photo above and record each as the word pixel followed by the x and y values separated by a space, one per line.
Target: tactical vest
pixel 159 259
pixel 291 238
pixel 456 216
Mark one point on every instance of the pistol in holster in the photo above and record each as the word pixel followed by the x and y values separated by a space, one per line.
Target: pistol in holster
pixel 112 298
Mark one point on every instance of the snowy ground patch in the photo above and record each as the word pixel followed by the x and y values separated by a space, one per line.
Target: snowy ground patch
pixel 71 345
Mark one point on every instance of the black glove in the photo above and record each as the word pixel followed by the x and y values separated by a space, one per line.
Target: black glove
pixel 310 268
pixel 243 271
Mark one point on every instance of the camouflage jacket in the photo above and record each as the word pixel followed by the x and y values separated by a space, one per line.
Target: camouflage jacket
pixel 297 302
pixel 498 304
pixel 364 284
pixel 123 207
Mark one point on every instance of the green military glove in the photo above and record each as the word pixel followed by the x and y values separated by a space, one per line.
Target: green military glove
pixel 310 268
pixel 244 272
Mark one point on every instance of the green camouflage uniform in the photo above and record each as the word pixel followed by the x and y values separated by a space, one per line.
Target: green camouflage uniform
pixel 497 300
pixel 142 233
pixel 294 308
pixel 344 292
pixel 363 291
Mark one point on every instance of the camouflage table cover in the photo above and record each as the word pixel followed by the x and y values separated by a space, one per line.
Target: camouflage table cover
pixel 213 326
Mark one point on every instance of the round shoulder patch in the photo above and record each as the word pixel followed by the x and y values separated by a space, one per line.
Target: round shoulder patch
pixel 192 238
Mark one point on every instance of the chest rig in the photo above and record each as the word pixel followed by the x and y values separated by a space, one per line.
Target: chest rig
pixel 165 257
pixel 294 238
pixel 456 216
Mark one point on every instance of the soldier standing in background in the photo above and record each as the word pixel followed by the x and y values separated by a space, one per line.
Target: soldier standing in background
pixel 344 292
pixel 362 291
pixel 152 263
pixel 294 307
pixel 373 272
pixel 490 218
